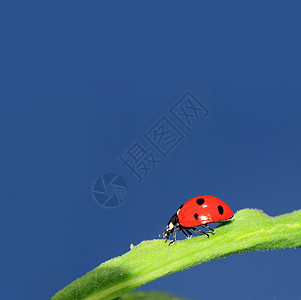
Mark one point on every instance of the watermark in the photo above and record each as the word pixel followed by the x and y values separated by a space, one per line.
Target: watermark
pixel 189 109
pixel 144 155
pixel 139 161
pixel 110 190
pixel 164 136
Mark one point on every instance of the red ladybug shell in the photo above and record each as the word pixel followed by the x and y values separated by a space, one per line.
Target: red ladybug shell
pixel 202 210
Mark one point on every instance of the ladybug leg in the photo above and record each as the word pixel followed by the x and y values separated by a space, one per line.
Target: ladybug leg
pixel 207 227
pixel 185 233
pixel 189 232
pixel 177 227
pixel 199 231
pixel 186 230
pixel 174 237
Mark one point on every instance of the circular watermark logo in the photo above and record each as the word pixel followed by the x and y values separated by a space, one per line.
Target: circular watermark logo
pixel 110 190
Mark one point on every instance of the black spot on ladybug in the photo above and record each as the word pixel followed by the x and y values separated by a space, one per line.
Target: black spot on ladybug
pixel 200 201
pixel 196 216
pixel 220 209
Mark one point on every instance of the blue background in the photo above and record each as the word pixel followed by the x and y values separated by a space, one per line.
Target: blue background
pixel 82 82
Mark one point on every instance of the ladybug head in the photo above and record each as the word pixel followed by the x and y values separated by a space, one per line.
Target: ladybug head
pixel 169 229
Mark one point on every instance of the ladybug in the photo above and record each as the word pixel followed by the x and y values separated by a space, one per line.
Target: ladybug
pixel 198 211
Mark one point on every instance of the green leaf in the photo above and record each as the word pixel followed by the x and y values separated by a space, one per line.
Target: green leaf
pixel 149 296
pixel 251 230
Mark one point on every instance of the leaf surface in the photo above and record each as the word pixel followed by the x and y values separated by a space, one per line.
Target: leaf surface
pixel 251 230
